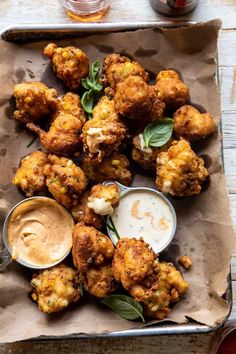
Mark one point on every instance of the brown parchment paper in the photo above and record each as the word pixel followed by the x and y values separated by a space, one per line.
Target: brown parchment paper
pixel 204 225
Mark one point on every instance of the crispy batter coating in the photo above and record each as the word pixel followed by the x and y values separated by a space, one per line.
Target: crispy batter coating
pixel 63 137
pixel 135 99
pixel 30 175
pixel 174 92
pixel 99 281
pixel 117 68
pixel 104 132
pixel 132 261
pixel 34 101
pixel 155 284
pixel 167 289
pixel 70 64
pixel 180 171
pixel 103 199
pixel 192 125
pixel 146 156
pixel 55 288
pixel 185 261
pixel 115 167
pixel 81 212
pixel 90 247
pixel 65 180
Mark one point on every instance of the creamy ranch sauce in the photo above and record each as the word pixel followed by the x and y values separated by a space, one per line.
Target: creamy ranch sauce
pixel 144 214
pixel 40 231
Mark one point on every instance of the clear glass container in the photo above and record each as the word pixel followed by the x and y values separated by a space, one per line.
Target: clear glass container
pixel 173 7
pixel 86 10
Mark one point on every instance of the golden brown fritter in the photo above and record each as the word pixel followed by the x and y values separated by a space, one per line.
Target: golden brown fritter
pixel 117 68
pixel 180 171
pixel 146 156
pixel 192 125
pixel 70 64
pixel 99 281
pixel 30 175
pixel 65 180
pixel 135 99
pixel 132 262
pixel 34 101
pixel 173 90
pixel 63 137
pixel 115 167
pixel 167 289
pixel 90 247
pixel 55 288
pixel 104 132
pixel 103 199
pixel 155 284
pixel 81 212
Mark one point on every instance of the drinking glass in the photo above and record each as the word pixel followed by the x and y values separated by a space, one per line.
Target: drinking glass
pixel 86 10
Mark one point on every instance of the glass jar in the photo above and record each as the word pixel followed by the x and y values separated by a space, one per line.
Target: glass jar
pixel 86 10
pixel 173 7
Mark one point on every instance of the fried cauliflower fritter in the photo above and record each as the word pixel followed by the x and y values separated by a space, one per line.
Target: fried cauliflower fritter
pixel 81 212
pixel 63 137
pixel 180 171
pixel 90 247
pixel 70 64
pixel 30 174
pixel 146 156
pixel 167 289
pixel 55 288
pixel 104 132
pixel 155 284
pixel 117 68
pixel 135 99
pixel 115 167
pixel 99 281
pixel 103 199
pixel 34 101
pixel 132 262
pixel 173 90
pixel 65 180
pixel 192 125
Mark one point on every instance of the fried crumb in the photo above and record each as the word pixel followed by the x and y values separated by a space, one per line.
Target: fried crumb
pixel 185 261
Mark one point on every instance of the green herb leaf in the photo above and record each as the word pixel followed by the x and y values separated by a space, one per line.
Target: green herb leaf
pixel 94 71
pixel 31 141
pixel 85 84
pixel 125 306
pixel 157 134
pixel 87 100
pixel 30 73
pixel 97 87
pixel 110 224
pixel 81 289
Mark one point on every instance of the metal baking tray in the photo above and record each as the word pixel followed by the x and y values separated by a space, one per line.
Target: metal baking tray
pixel 32 33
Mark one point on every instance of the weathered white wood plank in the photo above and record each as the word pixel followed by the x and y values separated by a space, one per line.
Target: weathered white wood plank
pixel 49 11
pixel 227 56
pixel 227 76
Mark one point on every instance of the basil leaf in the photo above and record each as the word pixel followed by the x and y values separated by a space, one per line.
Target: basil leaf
pixel 125 306
pixel 157 134
pixel 85 84
pixel 87 101
pixel 97 87
pixel 94 71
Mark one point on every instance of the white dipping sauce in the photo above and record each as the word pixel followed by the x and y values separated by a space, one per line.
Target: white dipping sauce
pixel 145 214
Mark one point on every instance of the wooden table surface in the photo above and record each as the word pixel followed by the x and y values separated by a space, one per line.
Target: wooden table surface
pixel 14 12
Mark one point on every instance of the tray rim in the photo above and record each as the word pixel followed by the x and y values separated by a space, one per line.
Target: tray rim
pixel 162 328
